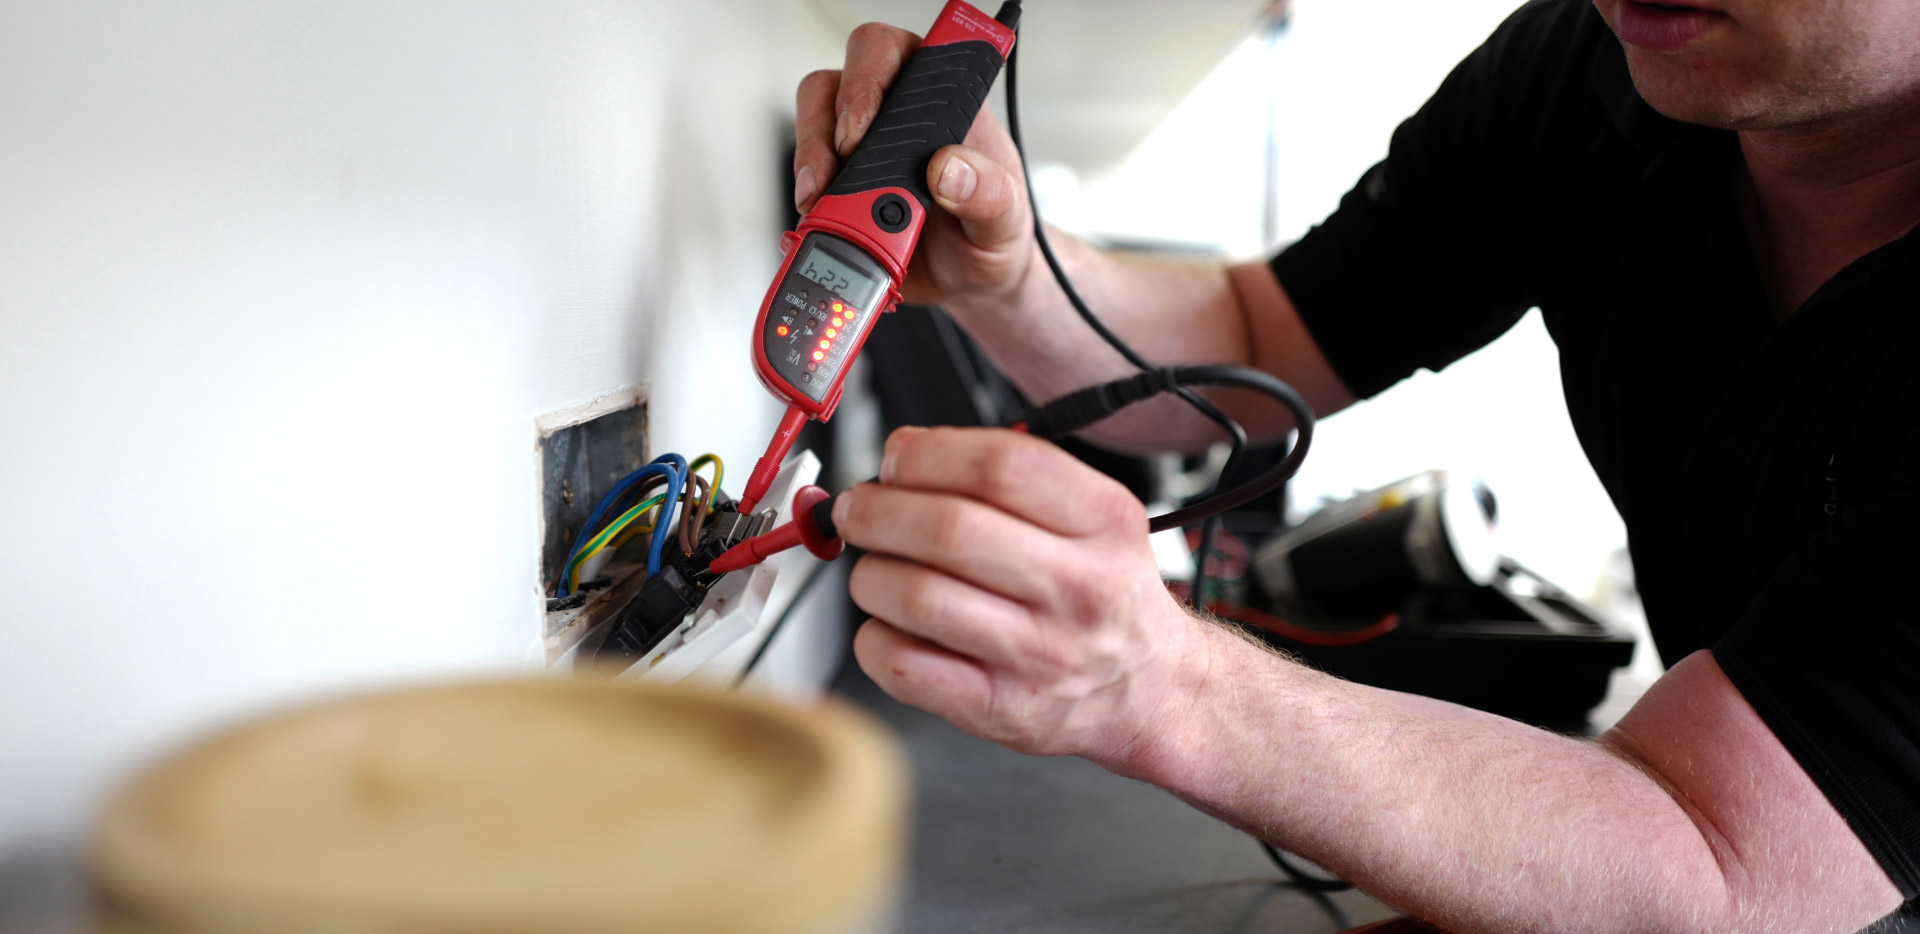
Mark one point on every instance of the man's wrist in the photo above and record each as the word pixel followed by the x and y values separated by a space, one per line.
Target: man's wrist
pixel 1183 707
pixel 1005 302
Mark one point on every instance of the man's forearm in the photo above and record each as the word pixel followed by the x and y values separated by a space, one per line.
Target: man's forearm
pixel 1473 821
pixel 1170 310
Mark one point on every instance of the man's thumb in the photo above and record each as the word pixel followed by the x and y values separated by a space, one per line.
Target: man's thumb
pixel 986 196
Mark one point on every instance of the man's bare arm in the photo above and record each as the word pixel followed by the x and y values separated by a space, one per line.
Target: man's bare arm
pixel 1688 816
pixel 1014 594
pixel 1169 310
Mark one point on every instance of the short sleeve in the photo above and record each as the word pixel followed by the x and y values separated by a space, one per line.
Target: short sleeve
pixel 1828 654
pixel 1433 254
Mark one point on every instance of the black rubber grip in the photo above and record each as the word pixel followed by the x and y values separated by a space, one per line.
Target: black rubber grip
pixel 930 106
pixel 823 517
pixel 1083 407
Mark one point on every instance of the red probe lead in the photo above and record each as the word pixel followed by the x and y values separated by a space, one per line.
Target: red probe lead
pixel 812 526
pixel 768 466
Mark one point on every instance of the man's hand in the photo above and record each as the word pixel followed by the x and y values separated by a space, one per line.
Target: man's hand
pixel 980 246
pixel 978 258
pixel 1014 594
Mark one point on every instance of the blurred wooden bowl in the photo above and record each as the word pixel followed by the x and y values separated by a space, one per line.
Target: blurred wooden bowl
pixel 532 805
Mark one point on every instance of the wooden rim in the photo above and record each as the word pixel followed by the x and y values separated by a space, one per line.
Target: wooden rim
pixel 548 804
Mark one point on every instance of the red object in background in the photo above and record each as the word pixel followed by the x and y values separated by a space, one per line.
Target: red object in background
pixel 1289 630
pixel 1396 926
pixel 1229 558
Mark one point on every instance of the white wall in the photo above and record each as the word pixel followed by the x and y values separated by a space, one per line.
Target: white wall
pixel 283 287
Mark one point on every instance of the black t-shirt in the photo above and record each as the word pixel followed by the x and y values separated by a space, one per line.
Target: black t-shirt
pixel 1768 472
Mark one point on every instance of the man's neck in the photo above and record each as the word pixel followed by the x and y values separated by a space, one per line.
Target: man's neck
pixel 1821 196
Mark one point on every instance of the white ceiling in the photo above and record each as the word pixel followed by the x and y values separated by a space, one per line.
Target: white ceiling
pixel 1095 75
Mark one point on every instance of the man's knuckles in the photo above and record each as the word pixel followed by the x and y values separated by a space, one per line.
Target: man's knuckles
pixel 875 54
pixel 819 86
pixel 951 526
pixel 1111 507
pixel 1007 463
pixel 922 600
pixel 886 45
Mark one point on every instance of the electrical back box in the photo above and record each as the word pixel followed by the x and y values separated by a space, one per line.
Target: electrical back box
pixel 583 451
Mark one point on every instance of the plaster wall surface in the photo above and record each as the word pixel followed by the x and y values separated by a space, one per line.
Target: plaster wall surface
pixel 284 286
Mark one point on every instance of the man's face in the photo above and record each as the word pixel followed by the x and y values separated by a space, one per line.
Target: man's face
pixel 1769 64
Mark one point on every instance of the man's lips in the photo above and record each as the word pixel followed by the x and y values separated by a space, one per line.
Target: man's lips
pixel 1663 27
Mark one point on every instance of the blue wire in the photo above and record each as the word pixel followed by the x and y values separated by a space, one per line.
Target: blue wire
pixel 663 521
pixel 675 468
pixel 605 506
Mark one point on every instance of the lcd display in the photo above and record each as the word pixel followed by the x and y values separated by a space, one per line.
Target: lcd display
pixel 840 278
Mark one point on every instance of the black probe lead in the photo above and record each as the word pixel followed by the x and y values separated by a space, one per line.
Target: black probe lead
pixel 1236 435
pixel 1083 407
pixel 1208 509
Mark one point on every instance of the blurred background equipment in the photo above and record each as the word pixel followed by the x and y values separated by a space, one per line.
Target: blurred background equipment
pixel 1370 554
pixel 1404 587
pixel 552 805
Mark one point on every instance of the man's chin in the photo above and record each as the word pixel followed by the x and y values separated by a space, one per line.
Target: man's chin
pixel 1687 92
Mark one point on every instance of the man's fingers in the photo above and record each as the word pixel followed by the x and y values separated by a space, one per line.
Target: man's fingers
pixel 814 161
pixel 914 671
pixel 942 609
pixel 1016 472
pixel 875 54
pixel 987 197
pixel 970 540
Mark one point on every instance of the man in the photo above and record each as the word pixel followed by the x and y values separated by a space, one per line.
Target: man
pixel 1712 203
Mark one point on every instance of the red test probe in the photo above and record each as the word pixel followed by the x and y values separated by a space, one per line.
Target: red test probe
pixel 846 259
pixel 811 525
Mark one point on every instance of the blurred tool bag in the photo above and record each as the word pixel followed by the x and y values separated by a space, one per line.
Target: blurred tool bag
pixel 1404 588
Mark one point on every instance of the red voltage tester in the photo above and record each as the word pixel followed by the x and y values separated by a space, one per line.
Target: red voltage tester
pixel 846 259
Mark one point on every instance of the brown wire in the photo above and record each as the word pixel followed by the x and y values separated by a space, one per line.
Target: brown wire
pixel 693 518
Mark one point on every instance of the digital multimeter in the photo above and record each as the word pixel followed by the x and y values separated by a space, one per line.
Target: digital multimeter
pixel 845 260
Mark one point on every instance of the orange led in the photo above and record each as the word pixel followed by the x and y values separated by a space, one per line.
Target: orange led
pixel 817 355
pixel 836 322
pixel 837 307
pixel 781 330
pixel 832 333
pixel 825 344
pixel 849 314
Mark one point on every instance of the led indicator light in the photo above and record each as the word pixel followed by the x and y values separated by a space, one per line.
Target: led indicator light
pixel 849 313
pixel 837 307
pixel 832 333
pixel 781 330
pixel 817 355
pixel 836 322
pixel 825 344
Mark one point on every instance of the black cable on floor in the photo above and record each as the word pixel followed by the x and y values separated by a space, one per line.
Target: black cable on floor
pixel 1301 877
